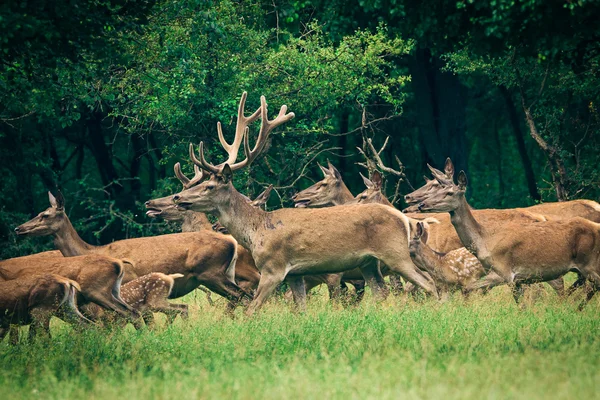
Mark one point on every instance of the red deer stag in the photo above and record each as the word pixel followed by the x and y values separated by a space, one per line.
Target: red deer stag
pixel 246 273
pixel 290 243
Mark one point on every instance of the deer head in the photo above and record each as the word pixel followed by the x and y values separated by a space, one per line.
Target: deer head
pixel 323 193
pixel 373 193
pixel 164 207
pixel 418 239
pixel 48 221
pixel 218 189
pixel 430 184
pixel 445 196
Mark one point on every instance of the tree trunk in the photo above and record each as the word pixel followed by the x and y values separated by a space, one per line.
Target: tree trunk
pixel 520 139
pixel 557 166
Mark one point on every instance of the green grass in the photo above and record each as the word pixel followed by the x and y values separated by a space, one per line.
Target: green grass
pixel 483 347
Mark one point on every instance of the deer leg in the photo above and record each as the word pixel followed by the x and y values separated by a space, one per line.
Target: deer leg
pixel 558 285
pixel 40 324
pixel 594 278
pixel 3 332
pixel 517 291
pixel 359 288
pixel 14 334
pixel 486 283
pixel 411 273
pixel 577 284
pixel 268 282
pixel 173 310
pixel 379 279
pixel 229 290
pixel 334 286
pixel 148 317
pixel 369 272
pixel 298 291
pixel 396 284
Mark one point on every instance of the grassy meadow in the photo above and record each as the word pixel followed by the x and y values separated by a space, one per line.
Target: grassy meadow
pixel 482 347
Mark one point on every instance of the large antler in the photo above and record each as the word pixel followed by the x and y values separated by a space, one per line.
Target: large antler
pixel 241 129
pixel 266 127
pixel 187 182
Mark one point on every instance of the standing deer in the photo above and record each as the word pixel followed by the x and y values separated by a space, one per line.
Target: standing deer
pixel 204 258
pixel 33 300
pixel 520 252
pixel 290 243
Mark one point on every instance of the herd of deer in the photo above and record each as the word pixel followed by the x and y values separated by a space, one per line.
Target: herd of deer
pixel 330 237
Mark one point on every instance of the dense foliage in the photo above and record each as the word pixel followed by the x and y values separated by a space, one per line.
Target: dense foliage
pixel 100 98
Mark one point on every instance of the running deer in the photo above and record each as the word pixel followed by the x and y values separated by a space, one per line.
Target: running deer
pixel 520 252
pixel 33 300
pixel 204 258
pixel 99 277
pixel 290 243
pixel 450 271
pixel 442 237
pixel 147 294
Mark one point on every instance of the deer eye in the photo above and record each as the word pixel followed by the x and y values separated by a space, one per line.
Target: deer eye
pixel 323 184
pixel 210 187
pixel 44 216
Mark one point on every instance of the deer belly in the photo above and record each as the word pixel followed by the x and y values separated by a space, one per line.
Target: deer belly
pixel 327 266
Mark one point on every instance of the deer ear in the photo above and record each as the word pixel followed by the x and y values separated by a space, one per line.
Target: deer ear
pixel 226 173
pixel 420 229
pixel 262 198
pixel 449 168
pixel 377 180
pixel 52 199
pixel 60 200
pixel 334 171
pixel 367 181
pixel 324 170
pixel 462 180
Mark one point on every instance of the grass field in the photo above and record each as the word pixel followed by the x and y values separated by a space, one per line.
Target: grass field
pixel 483 347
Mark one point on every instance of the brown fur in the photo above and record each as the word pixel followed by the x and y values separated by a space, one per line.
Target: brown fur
pixel 148 294
pixel 98 276
pixel 451 271
pixel 521 252
pixel 34 300
pixel 289 242
pixel 246 273
pixel 204 258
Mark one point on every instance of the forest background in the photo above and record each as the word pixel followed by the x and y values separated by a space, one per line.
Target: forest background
pixel 101 97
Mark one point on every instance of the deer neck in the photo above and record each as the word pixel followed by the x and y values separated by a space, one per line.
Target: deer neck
pixel 69 242
pixel 194 221
pixel 342 196
pixel 242 220
pixel 471 233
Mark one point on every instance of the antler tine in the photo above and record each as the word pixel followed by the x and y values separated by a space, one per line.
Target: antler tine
pixel 241 125
pixel 199 176
pixel 180 175
pixel 266 127
pixel 202 163
pixel 185 181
